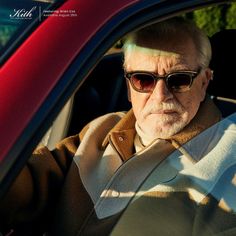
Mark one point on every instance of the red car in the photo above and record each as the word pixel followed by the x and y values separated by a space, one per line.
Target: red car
pixel 54 77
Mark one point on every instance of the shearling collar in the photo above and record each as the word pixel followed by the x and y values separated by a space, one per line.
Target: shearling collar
pixel 122 135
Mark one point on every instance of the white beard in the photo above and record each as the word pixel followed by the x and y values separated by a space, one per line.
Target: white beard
pixel 166 125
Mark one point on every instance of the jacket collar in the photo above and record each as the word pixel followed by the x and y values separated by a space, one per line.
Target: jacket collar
pixel 122 135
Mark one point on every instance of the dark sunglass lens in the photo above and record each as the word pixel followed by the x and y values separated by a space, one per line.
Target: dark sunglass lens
pixel 179 82
pixel 143 82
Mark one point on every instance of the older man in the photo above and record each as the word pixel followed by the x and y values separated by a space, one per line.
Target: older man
pixel 168 74
pixel 166 67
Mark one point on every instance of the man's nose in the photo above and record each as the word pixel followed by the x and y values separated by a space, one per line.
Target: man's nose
pixel 161 93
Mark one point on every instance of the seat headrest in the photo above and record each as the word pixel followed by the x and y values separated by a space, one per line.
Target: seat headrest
pixel 223 64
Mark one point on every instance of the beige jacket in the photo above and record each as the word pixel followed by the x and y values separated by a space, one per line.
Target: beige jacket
pixel 107 144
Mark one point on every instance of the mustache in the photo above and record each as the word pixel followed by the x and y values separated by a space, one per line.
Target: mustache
pixel 164 106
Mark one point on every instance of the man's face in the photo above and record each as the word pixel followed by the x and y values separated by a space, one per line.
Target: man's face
pixel 163 113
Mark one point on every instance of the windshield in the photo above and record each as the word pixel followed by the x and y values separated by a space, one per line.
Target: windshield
pixel 19 17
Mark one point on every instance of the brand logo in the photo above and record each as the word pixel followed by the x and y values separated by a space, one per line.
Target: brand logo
pixel 23 13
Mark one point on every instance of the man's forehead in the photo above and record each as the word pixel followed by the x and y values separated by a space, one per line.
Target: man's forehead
pixel 143 58
pixel 152 52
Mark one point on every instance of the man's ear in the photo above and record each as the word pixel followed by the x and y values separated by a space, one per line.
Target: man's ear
pixel 208 76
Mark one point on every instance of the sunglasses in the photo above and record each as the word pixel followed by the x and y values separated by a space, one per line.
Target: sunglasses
pixel 145 82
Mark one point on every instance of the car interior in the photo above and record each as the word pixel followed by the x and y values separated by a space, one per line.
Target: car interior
pixel 223 87
pixel 105 90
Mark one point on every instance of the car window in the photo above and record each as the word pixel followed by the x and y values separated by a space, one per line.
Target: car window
pixel 18 17
pixel 115 98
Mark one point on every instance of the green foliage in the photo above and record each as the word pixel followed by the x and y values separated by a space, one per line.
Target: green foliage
pixel 231 17
pixel 214 19
pixel 210 20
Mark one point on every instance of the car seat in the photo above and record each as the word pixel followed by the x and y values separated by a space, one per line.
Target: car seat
pixel 223 63
pixel 104 91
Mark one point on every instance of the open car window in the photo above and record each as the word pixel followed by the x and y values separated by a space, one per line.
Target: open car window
pixel 105 87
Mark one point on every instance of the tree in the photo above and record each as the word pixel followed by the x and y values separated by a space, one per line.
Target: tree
pixel 214 19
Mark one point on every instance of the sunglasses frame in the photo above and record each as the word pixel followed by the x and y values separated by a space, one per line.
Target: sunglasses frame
pixel 156 78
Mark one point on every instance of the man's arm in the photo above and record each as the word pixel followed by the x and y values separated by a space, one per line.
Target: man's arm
pixel 32 197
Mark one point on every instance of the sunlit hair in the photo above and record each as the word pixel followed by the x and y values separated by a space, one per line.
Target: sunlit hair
pixel 169 29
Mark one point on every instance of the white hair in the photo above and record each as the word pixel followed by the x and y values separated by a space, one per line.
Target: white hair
pixel 170 29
